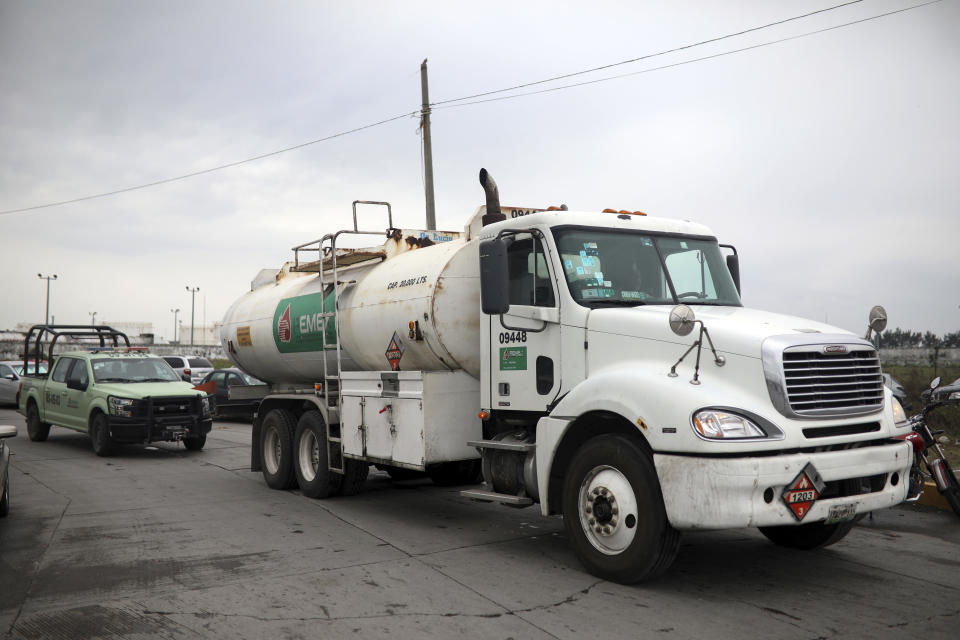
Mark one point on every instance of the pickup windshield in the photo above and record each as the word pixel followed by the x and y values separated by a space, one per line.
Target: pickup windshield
pixel 604 267
pixel 132 370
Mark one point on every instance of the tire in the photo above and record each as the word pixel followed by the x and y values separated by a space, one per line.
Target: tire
pixel 451 474
pixel 806 537
pixel 354 475
pixel 311 465
pixel 611 481
pixel 276 449
pixel 195 443
pixel 5 498
pixel 100 436
pixel 37 430
pixel 952 492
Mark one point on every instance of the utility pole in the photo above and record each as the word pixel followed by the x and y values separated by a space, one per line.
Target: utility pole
pixel 193 295
pixel 427 148
pixel 174 312
pixel 46 317
pixel 93 318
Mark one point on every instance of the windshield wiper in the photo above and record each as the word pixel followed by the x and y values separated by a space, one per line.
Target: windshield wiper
pixel 112 380
pixel 156 380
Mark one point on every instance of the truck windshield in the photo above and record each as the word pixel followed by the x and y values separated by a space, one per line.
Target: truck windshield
pixel 604 267
pixel 132 370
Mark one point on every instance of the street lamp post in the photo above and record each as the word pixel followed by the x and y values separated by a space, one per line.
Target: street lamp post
pixel 174 312
pixel 193 296
pixel 46 317
pixel 93 318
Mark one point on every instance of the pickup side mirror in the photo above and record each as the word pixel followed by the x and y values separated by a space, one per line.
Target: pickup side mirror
pixel 76 385
pixel 494 281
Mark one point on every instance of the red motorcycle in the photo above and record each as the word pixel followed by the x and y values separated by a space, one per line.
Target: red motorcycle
pixel 929 459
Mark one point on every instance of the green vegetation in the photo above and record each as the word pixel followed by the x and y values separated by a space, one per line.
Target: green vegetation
pixel 220 363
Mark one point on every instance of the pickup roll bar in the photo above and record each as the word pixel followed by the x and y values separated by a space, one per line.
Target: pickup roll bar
pixel 54 331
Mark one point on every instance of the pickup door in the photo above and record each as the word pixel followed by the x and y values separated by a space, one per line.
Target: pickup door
pixel 64 406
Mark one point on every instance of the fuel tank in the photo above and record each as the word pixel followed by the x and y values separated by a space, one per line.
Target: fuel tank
pixel 416 309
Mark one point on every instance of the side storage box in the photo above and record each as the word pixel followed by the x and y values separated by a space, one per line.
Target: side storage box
pixel 410 418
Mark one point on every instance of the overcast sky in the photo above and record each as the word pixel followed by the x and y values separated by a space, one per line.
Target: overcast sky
pixel 831 161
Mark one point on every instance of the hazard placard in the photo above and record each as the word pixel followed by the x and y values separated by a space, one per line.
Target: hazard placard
pixel 394 351
pixel 800 494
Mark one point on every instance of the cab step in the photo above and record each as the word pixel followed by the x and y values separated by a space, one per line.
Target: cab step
pixel 482 495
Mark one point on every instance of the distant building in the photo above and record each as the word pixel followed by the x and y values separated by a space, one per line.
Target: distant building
pixel 202 334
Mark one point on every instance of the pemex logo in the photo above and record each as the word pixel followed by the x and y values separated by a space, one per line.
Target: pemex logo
pixel 283 325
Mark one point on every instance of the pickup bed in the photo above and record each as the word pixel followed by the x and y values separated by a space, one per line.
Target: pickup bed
pixel 117 396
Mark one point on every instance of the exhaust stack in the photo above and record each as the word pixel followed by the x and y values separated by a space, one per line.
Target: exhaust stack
pixel 493 213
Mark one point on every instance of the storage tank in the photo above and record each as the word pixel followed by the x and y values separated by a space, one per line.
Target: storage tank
pixel 415 309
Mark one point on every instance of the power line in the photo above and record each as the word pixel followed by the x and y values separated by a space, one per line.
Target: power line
pixel 211 169
pixel 645 57
pixel 682 62
pixel 448 104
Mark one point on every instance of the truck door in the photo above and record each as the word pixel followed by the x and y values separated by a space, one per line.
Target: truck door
pixel 55 392
pixel 525 341
pixel 76 400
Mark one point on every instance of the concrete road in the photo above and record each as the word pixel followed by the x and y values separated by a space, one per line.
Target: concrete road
pixel 161 542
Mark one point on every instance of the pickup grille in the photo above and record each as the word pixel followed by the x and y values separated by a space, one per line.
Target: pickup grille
pixel 163 407
pixel 824 384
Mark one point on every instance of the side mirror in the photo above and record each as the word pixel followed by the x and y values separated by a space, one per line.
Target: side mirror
pixel 733 266
pixel 494 280
pixel 682 320
pixel 76 385
pixel 935 383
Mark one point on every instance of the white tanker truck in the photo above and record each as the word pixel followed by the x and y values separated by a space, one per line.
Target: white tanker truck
pixel 559 353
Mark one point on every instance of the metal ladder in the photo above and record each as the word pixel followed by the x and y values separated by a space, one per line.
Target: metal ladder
pixel 327 248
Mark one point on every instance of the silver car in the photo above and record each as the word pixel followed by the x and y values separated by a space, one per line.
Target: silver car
pixel 10 373
pixel 6 431
pixel 192 368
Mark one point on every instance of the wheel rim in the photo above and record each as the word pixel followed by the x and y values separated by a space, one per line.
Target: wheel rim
pixel 271 450
pixel 309 455
pixel 607 507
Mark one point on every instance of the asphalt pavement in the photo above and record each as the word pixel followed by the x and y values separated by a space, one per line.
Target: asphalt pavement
pixel 160 542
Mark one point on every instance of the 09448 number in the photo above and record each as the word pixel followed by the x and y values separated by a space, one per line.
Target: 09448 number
pixel 508 337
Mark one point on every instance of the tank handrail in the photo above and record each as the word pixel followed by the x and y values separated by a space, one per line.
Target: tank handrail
pixel 383 204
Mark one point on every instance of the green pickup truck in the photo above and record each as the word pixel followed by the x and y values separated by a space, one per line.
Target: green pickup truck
pixel 117 394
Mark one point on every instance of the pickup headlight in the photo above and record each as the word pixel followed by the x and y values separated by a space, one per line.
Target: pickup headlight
pixel 899 415
pixel 714 424
pixel 205 405
pixel 121 406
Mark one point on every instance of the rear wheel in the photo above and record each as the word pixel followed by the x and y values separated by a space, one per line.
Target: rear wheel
pixel 814 535
pixel 195 443
pixel 354 475
pixel 37 430
pixel 952 492
pixel 311 466
pixel 276 449
pixel 100 436
pixel 613 512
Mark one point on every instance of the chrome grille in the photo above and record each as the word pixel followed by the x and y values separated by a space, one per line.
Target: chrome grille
pixel 823 384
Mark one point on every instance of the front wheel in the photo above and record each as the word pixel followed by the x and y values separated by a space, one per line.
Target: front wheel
pixel 5 498
pixel 613 512
pixel 952 491
pixel 195 443
pixel 37 430
pixel 100 436
pixel 814 535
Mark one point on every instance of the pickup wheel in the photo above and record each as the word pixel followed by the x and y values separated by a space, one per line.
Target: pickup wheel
pixel 310 463
pixel 196 443
pixel 613 512
pixel 100 436
pixel 276 449
pixel 38 431
pixel 807 536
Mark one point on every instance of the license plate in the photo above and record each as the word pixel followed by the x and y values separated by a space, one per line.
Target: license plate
pixel 841 513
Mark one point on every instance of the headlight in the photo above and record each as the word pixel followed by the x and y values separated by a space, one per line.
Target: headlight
pixel 121 406
pixel 899 415
pixel 722 425
pixel 205 405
